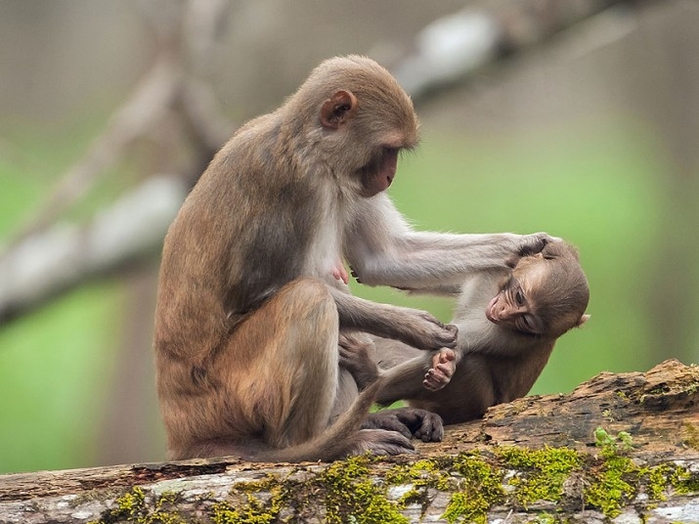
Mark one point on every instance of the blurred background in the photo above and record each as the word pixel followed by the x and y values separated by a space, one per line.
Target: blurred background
pixel 575 117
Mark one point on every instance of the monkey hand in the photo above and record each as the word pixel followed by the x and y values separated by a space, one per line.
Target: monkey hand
pixel 531 245
pixel 423 331
pixel 355 357
pixel 443 366
pixel 410 422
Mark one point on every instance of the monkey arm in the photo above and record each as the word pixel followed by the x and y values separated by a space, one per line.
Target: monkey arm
pixel 414 327
pixel 383 249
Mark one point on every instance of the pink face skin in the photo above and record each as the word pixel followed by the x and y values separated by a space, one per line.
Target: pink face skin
pixel 380 177
pixel 514 306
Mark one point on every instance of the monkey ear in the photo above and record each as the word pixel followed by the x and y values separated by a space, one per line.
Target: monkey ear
pixel 583 319
pixel 338 110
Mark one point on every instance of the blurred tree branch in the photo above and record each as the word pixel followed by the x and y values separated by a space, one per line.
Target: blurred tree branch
pixel 48 257
pixel 451 49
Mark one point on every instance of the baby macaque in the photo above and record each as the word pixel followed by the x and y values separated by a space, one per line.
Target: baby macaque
pixel 508 320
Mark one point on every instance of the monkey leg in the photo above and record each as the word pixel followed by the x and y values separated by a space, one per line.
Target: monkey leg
pixel 271 386
pixel 286 384
pixel 357 355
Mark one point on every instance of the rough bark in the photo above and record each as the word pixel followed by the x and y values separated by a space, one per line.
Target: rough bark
pixel 620 447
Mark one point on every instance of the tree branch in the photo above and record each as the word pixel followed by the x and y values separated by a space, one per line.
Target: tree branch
pixel 452 48
pixel 642 465
pixel 148 104
pixel 64 255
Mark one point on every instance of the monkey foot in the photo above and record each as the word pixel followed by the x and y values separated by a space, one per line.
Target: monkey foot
pixel 409 422
pixel 443 366
pixel 355 356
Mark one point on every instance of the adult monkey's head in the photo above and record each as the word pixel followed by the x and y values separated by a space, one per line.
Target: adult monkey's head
pixel 358 115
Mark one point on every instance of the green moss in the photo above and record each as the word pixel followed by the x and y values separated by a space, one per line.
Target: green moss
pixel 130 504
pixel 359 489
pixel 690 436
pixel 544 518
pixel 254 512
pixel 657 478
pixel 540 473
pixel 475 483
pixel 267 483
pixel 611 445
pixel 609 488
pixel 421 475
pixel 684 482
pixel 612 484
pixel 246 505
pixel 351 494
pixel 402 474
pixel 132 507
pixel 480 488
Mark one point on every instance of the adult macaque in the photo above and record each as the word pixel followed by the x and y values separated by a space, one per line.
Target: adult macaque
pixel 508 324
pixel 252 293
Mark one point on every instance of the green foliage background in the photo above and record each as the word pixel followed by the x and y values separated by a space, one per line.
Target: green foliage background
pixel 595 185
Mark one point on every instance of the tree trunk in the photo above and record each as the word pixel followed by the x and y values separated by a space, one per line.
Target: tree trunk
pixel 621 447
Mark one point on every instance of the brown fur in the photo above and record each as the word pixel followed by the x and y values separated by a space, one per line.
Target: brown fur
pixel 248 311
pixel 495 363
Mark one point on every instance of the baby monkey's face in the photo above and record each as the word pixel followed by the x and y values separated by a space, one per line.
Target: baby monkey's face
pixel 515 305
pixel 545 295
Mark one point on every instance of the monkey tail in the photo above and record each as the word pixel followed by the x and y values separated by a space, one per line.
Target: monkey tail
pixel 339 440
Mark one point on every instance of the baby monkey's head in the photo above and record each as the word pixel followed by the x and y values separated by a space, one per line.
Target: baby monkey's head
pixel 546 294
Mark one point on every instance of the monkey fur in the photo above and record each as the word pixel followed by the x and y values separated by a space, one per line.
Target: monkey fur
pixel 252 298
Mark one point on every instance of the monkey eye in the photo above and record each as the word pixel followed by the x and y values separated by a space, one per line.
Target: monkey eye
pixel 390 150
pixel 519 298
pixel 528 325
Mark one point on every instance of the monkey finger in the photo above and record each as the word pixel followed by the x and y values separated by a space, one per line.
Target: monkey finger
pixel 431 319
pixel 450 334
pixel 434 384
pixel 387 420
pixel 346 356
pixel 346 341
pixel 355 276
pixel 431 429
pixel 444 335
pixel 434 381
pixel 355 343
pixel 443 356
pixel 346 362
pixel 535 243
pixel 444 370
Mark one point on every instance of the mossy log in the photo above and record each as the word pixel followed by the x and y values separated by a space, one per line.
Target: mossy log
pixel 620 448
